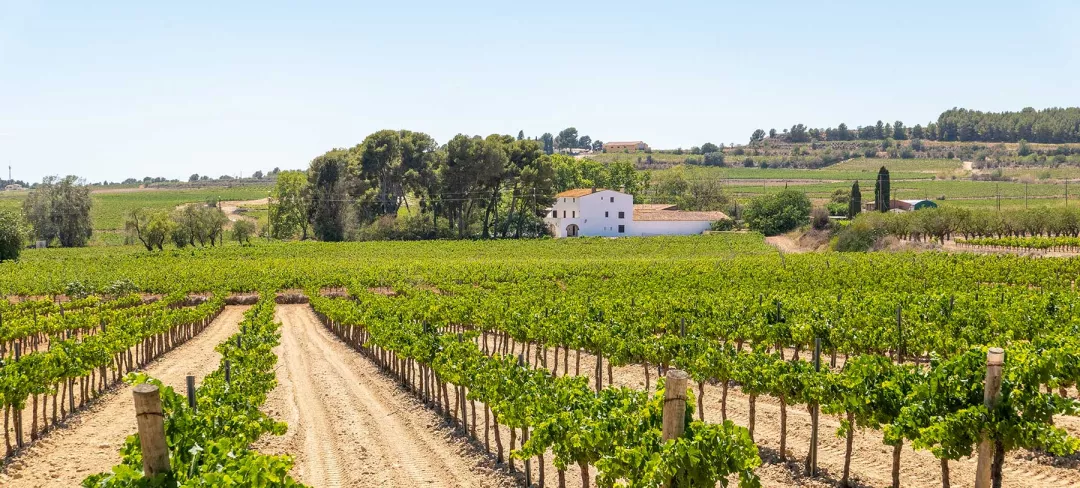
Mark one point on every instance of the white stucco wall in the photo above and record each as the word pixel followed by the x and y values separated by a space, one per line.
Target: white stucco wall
pixel 596 214
pixel 669 227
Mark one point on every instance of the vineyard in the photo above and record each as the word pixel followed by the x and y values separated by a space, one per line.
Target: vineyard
pixel 549 358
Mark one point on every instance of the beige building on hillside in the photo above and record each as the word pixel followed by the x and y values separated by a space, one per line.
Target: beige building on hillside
pixel 632 146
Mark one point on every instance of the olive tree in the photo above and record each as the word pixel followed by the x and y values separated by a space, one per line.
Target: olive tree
pixel 60 209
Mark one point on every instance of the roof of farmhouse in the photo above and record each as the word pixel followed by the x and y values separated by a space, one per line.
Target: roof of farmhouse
pixel 650 213
pixel 578 192
pixel 623 143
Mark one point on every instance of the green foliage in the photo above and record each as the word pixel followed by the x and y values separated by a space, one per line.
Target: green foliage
pixel 210 446
pixel 13 233
pixel 243 229
pixel 778 213
pixel 60 209
pixel 289 205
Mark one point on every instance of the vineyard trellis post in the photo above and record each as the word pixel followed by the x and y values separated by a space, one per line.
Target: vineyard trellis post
pixel 995 358
pixel 151 421
pixel 674 420
pixel 191 391
pixel 811 465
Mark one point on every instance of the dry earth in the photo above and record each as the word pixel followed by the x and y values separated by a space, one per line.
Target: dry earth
pixel 349 425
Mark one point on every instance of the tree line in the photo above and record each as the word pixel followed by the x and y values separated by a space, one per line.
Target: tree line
pixel 1048 126
pixel 401 184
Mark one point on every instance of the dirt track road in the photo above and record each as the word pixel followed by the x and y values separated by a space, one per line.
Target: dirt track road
pixel 92 440
pixel 351 426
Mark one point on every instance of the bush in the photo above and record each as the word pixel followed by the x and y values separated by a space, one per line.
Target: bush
pixel 120 287
pixel 870 153
pixel 748 163
pixel 715 158
pixel 778 213
pixel 907 153
pixel 819 218
pixel 723 225
pixel 916 145
pixel 12 235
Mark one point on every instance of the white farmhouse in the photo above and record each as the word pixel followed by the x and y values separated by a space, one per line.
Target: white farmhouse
pixel 610 213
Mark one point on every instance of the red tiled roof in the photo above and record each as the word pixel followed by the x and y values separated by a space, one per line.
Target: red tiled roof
pixel 655 215
pixel 578 192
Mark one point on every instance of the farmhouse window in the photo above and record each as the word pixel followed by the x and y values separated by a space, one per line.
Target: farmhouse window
pixel 605 214
pixel 622 215
pixel 612 199
pixel 622 229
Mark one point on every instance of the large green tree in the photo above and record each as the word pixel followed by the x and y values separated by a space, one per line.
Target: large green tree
pixel 12 235
pixel 472 165
pixel 327 210
pixel 60 209
pixel 567 139
pixel 289 205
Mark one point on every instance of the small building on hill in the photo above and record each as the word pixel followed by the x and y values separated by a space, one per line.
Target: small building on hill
pixel 610 213
pixel 631 146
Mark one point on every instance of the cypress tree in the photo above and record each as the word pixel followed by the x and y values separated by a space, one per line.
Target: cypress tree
pixel 855 202
pixel 881 190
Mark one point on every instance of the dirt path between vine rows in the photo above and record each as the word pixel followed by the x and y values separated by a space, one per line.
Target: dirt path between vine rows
pixel 871 460
pixel 91 441
pixel 349 425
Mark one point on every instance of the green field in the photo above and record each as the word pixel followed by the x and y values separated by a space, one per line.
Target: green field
pixel 899 165
pixel 109 207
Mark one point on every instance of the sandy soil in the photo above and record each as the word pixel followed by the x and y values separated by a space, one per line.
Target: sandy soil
pixel 349 425
pixel 230 208
pixel 785 244
pixel 91 441
pixel 872 460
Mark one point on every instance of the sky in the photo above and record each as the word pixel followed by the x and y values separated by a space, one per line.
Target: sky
pixel 112 90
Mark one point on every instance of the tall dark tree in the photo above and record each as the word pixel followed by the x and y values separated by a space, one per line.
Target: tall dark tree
pixel 757 136
pixel 709 147
pixel 60 209
pixel 881 190
pixel 899 132
pixel 567 139
pixel 329 195
pixel 854 201
pixel 585 142
pixel 798 134
pixel 549 143
pixel 521 135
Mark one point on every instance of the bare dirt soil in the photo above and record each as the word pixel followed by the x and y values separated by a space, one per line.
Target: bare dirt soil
pixel 91 441
pixel 349 425
pixel 785 244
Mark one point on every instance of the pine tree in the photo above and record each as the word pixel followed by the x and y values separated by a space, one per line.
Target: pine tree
pixel 855 202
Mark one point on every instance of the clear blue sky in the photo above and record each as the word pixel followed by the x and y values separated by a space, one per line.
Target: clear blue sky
pixel 109 90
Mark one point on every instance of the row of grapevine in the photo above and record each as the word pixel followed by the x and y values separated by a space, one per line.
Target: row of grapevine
pixel 617 430
pixel 84 367
pixel 35 327
pixel 1059 243
pixel 210 444
pixel 871 391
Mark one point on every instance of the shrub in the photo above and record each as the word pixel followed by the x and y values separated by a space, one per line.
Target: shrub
pixel 778 213
pixel 861 234
pixel 715 158
pixel 723 225
pixel 819 218
pixel 748 163
pixel 870 152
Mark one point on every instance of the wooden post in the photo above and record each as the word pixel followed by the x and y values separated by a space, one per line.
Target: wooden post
pixel 811 464
pixel 151 420
pixel 995 357
pixel 191 392
pixel 228 372
pixel 674 422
